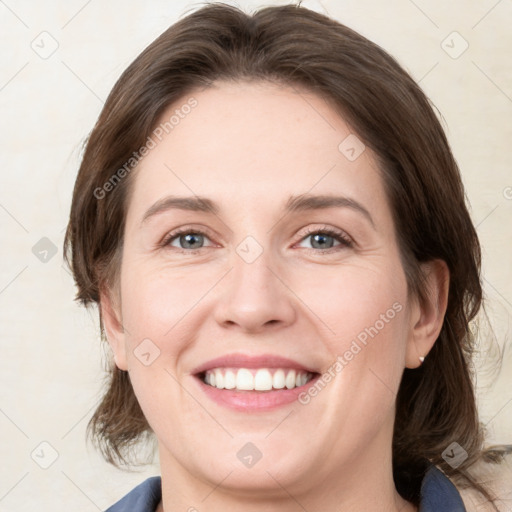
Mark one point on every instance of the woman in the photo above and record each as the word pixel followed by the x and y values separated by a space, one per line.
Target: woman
pixel 310 349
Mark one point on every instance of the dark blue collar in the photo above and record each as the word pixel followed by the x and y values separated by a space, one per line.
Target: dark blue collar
pixel 438 494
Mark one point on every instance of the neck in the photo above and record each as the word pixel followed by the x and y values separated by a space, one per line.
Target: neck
pixel 361 484
pixel 399 505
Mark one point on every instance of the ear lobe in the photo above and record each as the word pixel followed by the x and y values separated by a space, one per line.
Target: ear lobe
pixel 428 316
pixel 111 319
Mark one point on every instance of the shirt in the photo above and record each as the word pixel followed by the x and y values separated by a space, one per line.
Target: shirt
pixel 438 494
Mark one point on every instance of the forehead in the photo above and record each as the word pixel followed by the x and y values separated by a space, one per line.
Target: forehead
pixel 254 143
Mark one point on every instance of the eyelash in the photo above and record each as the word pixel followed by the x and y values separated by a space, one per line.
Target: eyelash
pixel 340 236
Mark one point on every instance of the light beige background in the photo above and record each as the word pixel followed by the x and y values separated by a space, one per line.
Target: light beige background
pixel 51 361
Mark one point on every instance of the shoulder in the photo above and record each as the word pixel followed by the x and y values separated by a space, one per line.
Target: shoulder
pixel 438 494
pixel 143 498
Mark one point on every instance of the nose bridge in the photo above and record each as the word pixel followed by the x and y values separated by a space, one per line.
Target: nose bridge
pixel 255 296
pixel 253 269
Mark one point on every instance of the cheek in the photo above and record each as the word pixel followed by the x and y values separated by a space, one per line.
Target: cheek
pixel 354 297
pixel 156 316
pixel 155 300
pixel 363 313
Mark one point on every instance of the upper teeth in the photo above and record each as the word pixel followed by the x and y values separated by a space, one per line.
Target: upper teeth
pixel 263 379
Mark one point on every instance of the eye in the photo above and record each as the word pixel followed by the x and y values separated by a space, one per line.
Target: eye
pixel 323 239
pixel 191 241
pixel 188 240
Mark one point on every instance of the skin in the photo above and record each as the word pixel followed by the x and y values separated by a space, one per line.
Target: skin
pixel 249 146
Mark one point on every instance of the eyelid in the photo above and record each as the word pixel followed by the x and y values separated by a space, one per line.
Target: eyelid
pixel 201 230
pixel 345 240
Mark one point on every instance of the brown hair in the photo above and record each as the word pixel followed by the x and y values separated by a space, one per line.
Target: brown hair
pixel 293 46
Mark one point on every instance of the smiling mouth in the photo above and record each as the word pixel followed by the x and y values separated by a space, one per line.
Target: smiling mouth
pixel 255 379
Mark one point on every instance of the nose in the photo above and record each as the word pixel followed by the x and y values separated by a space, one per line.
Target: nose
pixel 255 297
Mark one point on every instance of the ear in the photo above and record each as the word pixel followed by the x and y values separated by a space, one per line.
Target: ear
pixel 427 316
pixel 112 322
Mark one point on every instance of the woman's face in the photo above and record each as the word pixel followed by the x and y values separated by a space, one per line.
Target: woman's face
pixel 258 280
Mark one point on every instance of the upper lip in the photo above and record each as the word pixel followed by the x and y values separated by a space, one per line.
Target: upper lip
pixel 251 361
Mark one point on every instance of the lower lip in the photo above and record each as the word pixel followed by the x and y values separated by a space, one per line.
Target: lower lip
pixel 254 400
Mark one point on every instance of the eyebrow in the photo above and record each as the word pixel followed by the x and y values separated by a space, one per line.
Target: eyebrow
pixel 300 203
